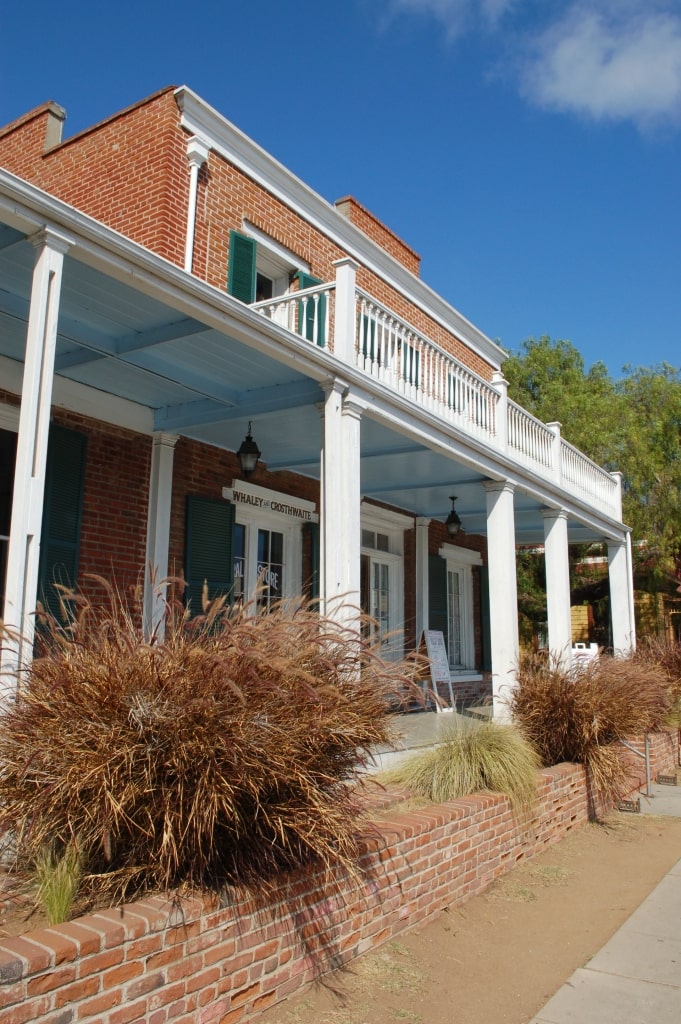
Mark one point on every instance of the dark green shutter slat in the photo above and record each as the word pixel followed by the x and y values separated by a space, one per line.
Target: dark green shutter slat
pixel 313 533
pixel 306 311
pixel 437 595
pixel 209 551
pixel 241 281
pixel 62 512
pixel 485 630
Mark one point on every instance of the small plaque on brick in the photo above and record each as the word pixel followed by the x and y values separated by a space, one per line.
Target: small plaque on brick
pixel 630 806
pixel 667 780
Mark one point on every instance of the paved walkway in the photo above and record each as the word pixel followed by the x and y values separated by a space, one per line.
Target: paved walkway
pixel 636 977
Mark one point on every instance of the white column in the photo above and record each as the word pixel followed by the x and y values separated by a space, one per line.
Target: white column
pixel 29 478
pixel 501 384
pixel 345 317
pixel 503 594
pixel 422 609
pixel 197 154
pixel 621 597
pixel 158 532
pixel 558 586
pixel 556 459
pixel 340 534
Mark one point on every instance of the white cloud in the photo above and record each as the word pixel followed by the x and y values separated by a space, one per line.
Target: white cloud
pixel 457 16
pixel 617 64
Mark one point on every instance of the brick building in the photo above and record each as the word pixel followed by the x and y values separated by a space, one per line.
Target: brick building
pixel 168 290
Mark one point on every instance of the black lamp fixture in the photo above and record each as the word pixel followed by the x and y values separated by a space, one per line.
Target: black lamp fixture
pixel 248 453
pixel 452 522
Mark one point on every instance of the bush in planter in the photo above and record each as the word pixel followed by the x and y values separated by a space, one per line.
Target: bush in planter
pixel 473 757
pixel 224 753
pixel 580 716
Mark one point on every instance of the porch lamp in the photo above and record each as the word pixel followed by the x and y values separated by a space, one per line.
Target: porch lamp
pixel 248 453
pixel 452 522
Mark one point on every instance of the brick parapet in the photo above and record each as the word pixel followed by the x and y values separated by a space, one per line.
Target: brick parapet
pixel 169 959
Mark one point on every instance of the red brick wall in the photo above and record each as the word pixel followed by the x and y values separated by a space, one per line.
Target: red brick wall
pixel 379 232
pixel 131 172
pixel 164 959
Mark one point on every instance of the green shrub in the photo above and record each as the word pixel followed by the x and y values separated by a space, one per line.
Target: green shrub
pixel 58 877
pixel 480 756
pixel 224 753
pixel 578 716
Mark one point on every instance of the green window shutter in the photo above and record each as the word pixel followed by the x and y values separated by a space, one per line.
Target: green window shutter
pixel 437 596
pixel 485 630
pixel 241 279
pixel 208 550
pixel 62 512
pixel 306 312
pixel 312 530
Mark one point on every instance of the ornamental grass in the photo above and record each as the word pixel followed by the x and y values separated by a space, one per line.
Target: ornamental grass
pixel 581 715
pixel 472 758
pixel 225 753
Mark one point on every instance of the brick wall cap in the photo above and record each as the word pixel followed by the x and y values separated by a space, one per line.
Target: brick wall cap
pixel 48 107
pixel 350 201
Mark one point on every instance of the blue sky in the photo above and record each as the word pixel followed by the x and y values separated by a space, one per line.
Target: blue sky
pixel 529 150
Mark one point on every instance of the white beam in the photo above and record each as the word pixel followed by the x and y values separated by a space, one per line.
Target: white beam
pixel 29 478
pixel 558 586
pixel 503 594
pixel 158 532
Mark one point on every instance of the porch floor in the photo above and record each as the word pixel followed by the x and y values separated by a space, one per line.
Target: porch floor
pixel 419 729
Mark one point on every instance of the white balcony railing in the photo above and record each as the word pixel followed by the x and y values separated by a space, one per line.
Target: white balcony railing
pixel 393 352
pixel 306 313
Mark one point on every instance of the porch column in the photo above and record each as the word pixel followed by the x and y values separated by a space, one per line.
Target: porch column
pixel 621 596
pixel 158 532
pixel 503 595
pixel 422 610
pixel 29 478
pixel 344 322
pixel 558 586
pixel 340 534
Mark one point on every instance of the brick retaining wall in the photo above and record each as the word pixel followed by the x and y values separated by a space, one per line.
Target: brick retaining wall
pixel 162 960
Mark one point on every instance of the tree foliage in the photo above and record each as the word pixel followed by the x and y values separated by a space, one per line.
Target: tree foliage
pixel 632 424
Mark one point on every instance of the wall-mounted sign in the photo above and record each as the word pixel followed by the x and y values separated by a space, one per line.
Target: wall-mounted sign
pixel 242 493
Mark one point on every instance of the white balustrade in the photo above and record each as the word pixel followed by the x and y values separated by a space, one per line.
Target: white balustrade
pixel 306 313
pixel 582 476
pixel 528 436
pixel 393 352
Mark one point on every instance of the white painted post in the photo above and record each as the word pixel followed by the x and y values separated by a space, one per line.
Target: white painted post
pixel 422 609
pixel 503 594
pixel 345 310
pixel 558 586
pixel 557 462
pixel 340 534
pixel 158 532
pixel 501 414
pixel 29 478
pixel 197 154
pixel 621 597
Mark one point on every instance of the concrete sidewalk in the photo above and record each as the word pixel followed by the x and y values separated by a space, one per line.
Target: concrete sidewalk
pixel 636 977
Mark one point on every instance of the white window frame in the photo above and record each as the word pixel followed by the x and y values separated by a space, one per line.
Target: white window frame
pixel 274 261
pixel 392 525
pixel 462 561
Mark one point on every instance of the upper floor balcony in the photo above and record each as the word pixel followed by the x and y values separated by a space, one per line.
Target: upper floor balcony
pixel 341 318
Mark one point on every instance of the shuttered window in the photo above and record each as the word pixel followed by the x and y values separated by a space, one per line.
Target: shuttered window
pixel 437 596
pixel 208 550
pixel 242 275
pixel 62 512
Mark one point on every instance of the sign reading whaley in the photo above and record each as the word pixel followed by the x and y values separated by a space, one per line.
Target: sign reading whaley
pixel 270 501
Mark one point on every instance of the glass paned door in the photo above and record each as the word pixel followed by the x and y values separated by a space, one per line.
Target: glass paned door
pixel 270 567
pixel 454 613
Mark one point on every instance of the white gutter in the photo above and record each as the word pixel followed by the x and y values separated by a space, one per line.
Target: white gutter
pixel 197 154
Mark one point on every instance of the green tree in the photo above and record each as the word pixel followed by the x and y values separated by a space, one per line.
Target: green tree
pixel 632 424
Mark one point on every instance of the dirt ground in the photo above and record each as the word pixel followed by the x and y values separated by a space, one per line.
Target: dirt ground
pixel 501 956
